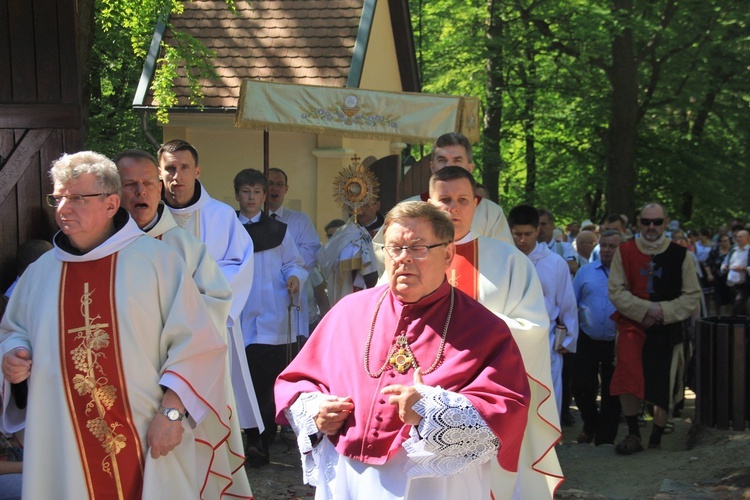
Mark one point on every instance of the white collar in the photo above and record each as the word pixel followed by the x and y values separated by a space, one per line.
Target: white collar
pixel 244 220
pixel 279 213
pixel 122 238
pixel 465 239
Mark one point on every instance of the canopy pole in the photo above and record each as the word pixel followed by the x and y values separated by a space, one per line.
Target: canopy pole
pixel 265 165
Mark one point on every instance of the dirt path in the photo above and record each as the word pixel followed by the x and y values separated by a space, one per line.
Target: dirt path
pixel 672 472
pixel 282 478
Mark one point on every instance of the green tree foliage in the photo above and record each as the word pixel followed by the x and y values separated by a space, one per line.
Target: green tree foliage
pixel 113 75
pixel 121 32
pixel 585 83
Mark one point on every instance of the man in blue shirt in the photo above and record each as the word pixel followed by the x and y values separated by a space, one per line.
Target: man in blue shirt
pixel 596 346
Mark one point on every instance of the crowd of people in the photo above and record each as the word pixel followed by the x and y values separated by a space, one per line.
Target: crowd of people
pixel 431 352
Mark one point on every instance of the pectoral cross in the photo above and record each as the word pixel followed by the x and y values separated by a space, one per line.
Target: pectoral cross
pixel 402 358
pixel 89 327
pixel 651 271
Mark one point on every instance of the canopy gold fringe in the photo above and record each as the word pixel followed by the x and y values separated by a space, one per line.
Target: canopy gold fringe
pixel 391 116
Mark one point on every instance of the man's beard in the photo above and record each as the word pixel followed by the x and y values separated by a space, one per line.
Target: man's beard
pixel 651 236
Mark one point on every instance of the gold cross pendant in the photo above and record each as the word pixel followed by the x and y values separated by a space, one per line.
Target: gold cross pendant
pixel 402 360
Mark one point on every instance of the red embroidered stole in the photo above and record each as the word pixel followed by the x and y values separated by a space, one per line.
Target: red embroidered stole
pixel 94 381
pixel 463 272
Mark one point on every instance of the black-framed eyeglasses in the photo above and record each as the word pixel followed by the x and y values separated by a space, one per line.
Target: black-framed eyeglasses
pixel 54 200
pixel 416 252
pixel 647 222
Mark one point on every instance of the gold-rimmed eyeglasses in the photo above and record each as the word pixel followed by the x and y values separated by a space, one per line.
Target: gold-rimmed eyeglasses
pixel 54 200
pixel 416 252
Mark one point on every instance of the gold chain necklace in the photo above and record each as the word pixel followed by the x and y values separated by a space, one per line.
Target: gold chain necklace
pixel 400 355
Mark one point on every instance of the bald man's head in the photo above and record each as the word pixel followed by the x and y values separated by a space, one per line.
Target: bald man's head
pixel 585 243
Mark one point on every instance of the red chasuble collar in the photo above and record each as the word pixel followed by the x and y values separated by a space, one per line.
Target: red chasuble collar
pixel 463 272
pixel 94 382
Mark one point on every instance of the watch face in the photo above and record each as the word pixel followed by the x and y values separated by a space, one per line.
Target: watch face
pixel 173 415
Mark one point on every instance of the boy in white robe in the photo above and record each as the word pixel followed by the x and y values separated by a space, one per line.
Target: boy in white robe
pixel 272 318
pixel 559 296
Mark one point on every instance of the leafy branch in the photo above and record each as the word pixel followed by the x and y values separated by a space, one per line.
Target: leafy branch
pixel 186 58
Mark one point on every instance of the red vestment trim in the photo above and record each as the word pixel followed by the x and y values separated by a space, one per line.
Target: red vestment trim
pixel 216 446
pixel 94 382
pixel 463 272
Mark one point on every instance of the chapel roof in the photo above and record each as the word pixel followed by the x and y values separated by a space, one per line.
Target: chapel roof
pixel 311 42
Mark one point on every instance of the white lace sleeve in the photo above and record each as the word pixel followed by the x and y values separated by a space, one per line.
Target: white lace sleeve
pixel 451 437
pixel 301 416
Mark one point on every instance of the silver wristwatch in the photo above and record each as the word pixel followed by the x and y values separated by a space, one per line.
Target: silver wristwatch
pixel 173 414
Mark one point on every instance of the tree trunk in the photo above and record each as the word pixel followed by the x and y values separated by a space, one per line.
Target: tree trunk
pixel 86 30
pixel 621 173
pixel 493 116
pixel 529 125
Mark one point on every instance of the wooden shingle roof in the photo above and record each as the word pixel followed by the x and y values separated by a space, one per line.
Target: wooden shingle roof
pixel 310 42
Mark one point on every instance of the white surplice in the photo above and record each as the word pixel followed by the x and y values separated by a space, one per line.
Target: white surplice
pixel 215 224
pixel 306 239
pixel 265 318
pixel 560 300
pixel 448 456
pixel 166 338
pixel 216 293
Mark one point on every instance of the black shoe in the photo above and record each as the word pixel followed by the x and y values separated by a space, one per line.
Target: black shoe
pixel 631 444
pixel 585 438
pixel 654 441
pixel 567 419
pixel 255 458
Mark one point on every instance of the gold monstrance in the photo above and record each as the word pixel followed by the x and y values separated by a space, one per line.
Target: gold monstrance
pixel 356 187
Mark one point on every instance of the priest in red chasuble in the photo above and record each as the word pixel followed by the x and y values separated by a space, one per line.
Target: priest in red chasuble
pixel 118 350
pixel 408 390
pixel 504 280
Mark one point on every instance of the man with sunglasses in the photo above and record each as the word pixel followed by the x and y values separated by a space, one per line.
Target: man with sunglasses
pixel 411 389
pixel 654 287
